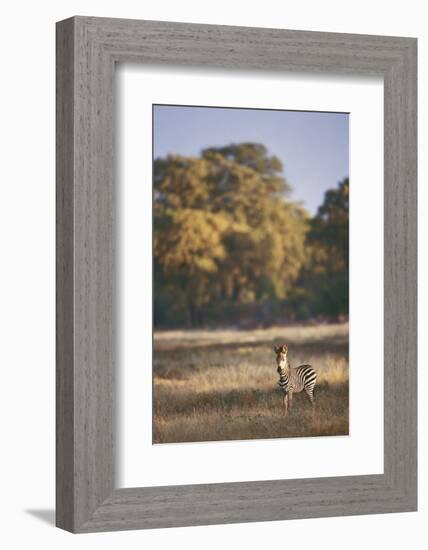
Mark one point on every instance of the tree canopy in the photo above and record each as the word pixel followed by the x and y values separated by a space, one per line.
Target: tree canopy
pixel 325 277
pixel 227 236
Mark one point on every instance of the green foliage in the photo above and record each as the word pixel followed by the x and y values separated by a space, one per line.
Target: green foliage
pixel 326 273
pixel 226 237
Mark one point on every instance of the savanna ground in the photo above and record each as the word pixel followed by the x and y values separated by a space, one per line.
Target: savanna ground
pixel 222 384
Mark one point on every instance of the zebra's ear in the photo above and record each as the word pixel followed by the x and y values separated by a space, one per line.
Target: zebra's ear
pixel 285 348
pixel 276 349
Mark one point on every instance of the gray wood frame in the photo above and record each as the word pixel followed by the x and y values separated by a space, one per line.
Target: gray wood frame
pixel 87 50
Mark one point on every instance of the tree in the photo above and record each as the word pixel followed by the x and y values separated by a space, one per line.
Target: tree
pixel 224 231
pixel 254 156
pixel 326 273
pixel 188 250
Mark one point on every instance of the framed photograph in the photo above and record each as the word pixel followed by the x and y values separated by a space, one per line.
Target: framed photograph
pixel 236 274
pixel 236 260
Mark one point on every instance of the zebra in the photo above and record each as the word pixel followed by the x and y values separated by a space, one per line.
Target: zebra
pixel 293 379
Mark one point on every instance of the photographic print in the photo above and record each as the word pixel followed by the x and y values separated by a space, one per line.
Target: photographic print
pixel 250 273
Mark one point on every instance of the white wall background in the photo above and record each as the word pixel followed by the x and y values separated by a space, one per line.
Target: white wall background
pixel 27 270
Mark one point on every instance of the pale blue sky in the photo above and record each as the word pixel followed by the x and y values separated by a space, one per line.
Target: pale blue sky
pixel 313 146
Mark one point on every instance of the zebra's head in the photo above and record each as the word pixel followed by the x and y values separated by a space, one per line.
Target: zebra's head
pixel 281 357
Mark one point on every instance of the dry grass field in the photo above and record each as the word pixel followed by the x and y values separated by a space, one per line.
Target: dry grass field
pixel 222 384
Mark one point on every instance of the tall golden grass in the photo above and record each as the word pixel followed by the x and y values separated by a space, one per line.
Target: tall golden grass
pixel 222 384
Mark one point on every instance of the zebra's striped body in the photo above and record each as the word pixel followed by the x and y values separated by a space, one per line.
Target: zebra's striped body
pixel 294 379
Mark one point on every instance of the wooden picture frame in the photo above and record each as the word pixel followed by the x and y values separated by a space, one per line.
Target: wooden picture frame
pixel 87 50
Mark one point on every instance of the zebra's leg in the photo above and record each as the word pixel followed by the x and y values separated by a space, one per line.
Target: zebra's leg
pixel 290 399
pixel 285 403
pixel 310 393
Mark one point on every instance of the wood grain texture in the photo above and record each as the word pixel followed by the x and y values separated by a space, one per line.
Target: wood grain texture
pixel 64 276
pixel 87 49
